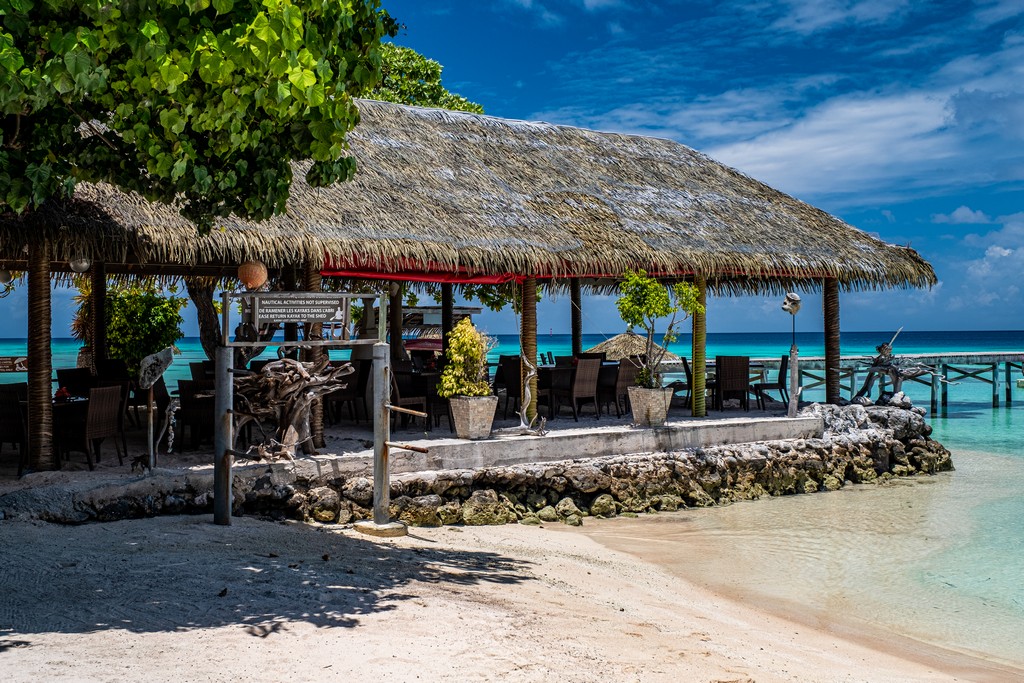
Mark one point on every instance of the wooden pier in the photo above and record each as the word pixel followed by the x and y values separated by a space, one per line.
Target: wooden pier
pixel 1001 370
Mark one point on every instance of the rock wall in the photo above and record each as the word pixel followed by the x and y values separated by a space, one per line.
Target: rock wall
pixel 859 445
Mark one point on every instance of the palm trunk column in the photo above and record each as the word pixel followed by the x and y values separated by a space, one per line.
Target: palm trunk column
pixel 312 282
pixel 528 335
pixel 447 315
pixel 576 297
pixel 700 338
pixel 830 303
pixel 40 366
pixel 98 306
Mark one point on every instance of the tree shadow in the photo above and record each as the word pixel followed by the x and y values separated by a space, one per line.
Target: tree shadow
pixel 187 573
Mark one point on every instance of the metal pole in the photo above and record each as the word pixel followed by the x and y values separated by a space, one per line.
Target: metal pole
pixel 150 428
pixel 381 433
pixel 222 436
pixel 794 373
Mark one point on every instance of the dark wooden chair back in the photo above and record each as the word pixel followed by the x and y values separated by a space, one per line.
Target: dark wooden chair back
pixel 601 356
pixel 564 361
pixel 511 370
pixel 78 381
pixel 12 422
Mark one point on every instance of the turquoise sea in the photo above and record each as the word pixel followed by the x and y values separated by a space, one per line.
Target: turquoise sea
pixel 937 559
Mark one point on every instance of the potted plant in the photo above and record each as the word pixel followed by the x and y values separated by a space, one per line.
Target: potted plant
pixel 464 382
pixel 643 301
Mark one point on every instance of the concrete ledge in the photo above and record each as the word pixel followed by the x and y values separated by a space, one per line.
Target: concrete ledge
pixel 593 441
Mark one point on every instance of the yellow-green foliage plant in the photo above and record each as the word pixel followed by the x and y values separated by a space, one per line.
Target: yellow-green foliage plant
pixel 465 373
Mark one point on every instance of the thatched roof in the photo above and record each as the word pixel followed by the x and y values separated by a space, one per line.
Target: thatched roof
pixel 451 191
pixel 627 344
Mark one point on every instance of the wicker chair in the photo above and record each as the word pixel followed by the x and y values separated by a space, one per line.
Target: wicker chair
pixel 101 421
pixel 618 391
pixel 196 413
pixel 78 381
pixel 12 420
pixel 732 380
pixel 583 388
pixel 412 402
pixel 354 393
pixel 778 385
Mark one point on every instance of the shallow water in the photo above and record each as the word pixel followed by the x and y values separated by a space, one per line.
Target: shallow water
pixel 937 559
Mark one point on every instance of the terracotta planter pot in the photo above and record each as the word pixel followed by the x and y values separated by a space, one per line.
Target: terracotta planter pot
pixel 650 406
pixel 473 415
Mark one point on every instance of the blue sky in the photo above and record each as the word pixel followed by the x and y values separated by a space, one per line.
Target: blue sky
pixel 904 118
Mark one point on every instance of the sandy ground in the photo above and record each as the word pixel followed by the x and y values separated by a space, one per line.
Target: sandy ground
pixel 180 599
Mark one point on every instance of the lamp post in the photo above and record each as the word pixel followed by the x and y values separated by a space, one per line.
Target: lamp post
pixel 791 305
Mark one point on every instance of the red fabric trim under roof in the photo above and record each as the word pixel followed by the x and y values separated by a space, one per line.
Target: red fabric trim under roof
pixel 408 270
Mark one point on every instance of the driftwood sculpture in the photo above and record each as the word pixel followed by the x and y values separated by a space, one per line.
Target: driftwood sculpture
pixel 525 427
pixel 283 392
pixel 885 364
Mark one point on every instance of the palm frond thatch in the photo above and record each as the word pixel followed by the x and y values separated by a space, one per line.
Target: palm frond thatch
pixel 627 344
pixel 457 192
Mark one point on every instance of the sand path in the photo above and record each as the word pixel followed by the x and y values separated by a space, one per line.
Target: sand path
pixel 180 599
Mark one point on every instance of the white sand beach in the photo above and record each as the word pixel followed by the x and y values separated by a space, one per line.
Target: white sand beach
pixel 179 598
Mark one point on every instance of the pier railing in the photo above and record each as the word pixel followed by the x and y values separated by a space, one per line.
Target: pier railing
pixel 999 370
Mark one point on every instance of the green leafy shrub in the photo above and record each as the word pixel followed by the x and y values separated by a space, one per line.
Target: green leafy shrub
pixel 465 373
pixel 141 321
pixel 642 302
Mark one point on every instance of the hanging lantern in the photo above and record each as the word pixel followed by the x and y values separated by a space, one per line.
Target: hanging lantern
pixel 80 264
pixel 5 277
pixel 253 274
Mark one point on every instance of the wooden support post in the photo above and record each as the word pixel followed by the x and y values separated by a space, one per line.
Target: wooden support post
pixel 447 315
pixel 313 282
pixel 528 337
pixel 1009 383
pixel 40 365
pixel 395 322
pixel 698 393
pixel 830 304
pixel 98 309
pixel 995 385
pixel 935 395
pixel 222 436
pixel 945 387
pixel 289 283
pixel 576 304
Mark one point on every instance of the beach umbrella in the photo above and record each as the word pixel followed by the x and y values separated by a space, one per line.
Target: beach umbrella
pixel 626 344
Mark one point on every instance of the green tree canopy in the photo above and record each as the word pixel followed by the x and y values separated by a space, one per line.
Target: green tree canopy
pixel 206 101
pixel 407 77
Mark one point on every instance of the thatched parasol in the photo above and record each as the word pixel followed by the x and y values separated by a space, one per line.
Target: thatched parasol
pixel 449 192
pixel 627 344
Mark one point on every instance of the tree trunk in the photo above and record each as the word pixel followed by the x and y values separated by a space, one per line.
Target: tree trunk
pixel 528 337
pixel 395 322
pixel 700 339
pixel 200 291
pixel 576 298
pixel 447 315
pixel 40 367
pixel 312 282
pixel 98 310
pixel 830 303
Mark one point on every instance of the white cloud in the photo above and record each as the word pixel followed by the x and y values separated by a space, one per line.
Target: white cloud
pixel 811 16
pixel 847 145
pixel 962 215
